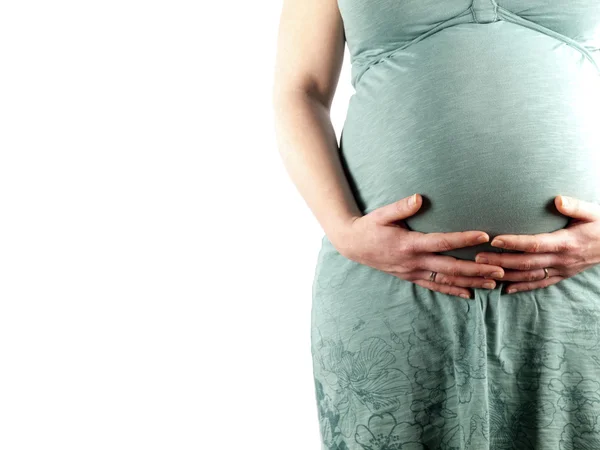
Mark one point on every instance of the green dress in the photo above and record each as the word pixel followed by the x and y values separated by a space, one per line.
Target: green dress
pixel 488 110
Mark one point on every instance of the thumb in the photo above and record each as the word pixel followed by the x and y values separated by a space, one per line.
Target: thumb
pixel 399 210
pixel 579 209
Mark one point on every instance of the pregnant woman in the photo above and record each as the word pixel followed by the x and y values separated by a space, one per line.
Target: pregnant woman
pixel 490 112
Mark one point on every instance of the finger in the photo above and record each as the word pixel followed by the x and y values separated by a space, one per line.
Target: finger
pixel 444 289
pixel 528 286
pixel 579 209
pixel 442 278
pixel 398 210
pixel 458 267
pixel 519 261
pixel 441 242
pixel 557 241
pixel 529 275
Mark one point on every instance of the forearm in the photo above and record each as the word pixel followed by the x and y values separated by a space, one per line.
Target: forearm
pixel 308 146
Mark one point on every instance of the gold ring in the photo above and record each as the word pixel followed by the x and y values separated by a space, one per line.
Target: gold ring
pixel 546 273
pixel 432 276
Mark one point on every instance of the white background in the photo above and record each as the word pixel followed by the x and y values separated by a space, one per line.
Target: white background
pixel 156 260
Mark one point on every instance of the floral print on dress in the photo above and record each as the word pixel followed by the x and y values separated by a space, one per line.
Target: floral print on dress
pixel 430 353
pixel 575 392
pixel 470 363
pixel 442 363
pixel 338 270
pixel 530 358
pixel 509 425
pixel 383 432
pixel 362 379
pixel 585 332
pixel 432 411
pixel 496 373
pixel 329 419
pixel 573 438
pixel 455 438
pixel 395 337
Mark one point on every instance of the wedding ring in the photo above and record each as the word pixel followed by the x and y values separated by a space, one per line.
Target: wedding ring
pixel 546 273
pixel 432 276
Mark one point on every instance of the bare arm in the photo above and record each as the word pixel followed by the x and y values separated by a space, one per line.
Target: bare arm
pixel 309 59
pixel 310 51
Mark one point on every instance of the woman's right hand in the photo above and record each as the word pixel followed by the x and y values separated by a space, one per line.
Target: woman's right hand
pixel 380 239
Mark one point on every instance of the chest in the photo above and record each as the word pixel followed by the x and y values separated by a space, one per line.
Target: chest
pixel 383 24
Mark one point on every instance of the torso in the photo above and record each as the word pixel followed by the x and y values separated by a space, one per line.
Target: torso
pixel 488 110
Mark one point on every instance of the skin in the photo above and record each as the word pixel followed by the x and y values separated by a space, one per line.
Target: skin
pixel 309 57
pixel 564 253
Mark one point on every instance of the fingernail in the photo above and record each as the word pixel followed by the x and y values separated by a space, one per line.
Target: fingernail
pixel 489 285
pixel 565 201
pixel 481 260
pixel 412 201
pixel 498 243
pixel 481 239
pixel 465 296
pixel 497 275
pixel 511 291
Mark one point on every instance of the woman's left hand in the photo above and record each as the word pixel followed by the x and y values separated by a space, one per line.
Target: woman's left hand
pixel 564 252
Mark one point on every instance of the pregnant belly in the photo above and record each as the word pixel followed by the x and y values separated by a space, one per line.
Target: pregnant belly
pixel 488 123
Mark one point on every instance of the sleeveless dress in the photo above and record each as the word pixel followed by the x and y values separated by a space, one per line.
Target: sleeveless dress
pixel 488 109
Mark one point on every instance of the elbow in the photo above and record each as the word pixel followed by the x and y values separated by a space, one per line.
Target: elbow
pixel 284 92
